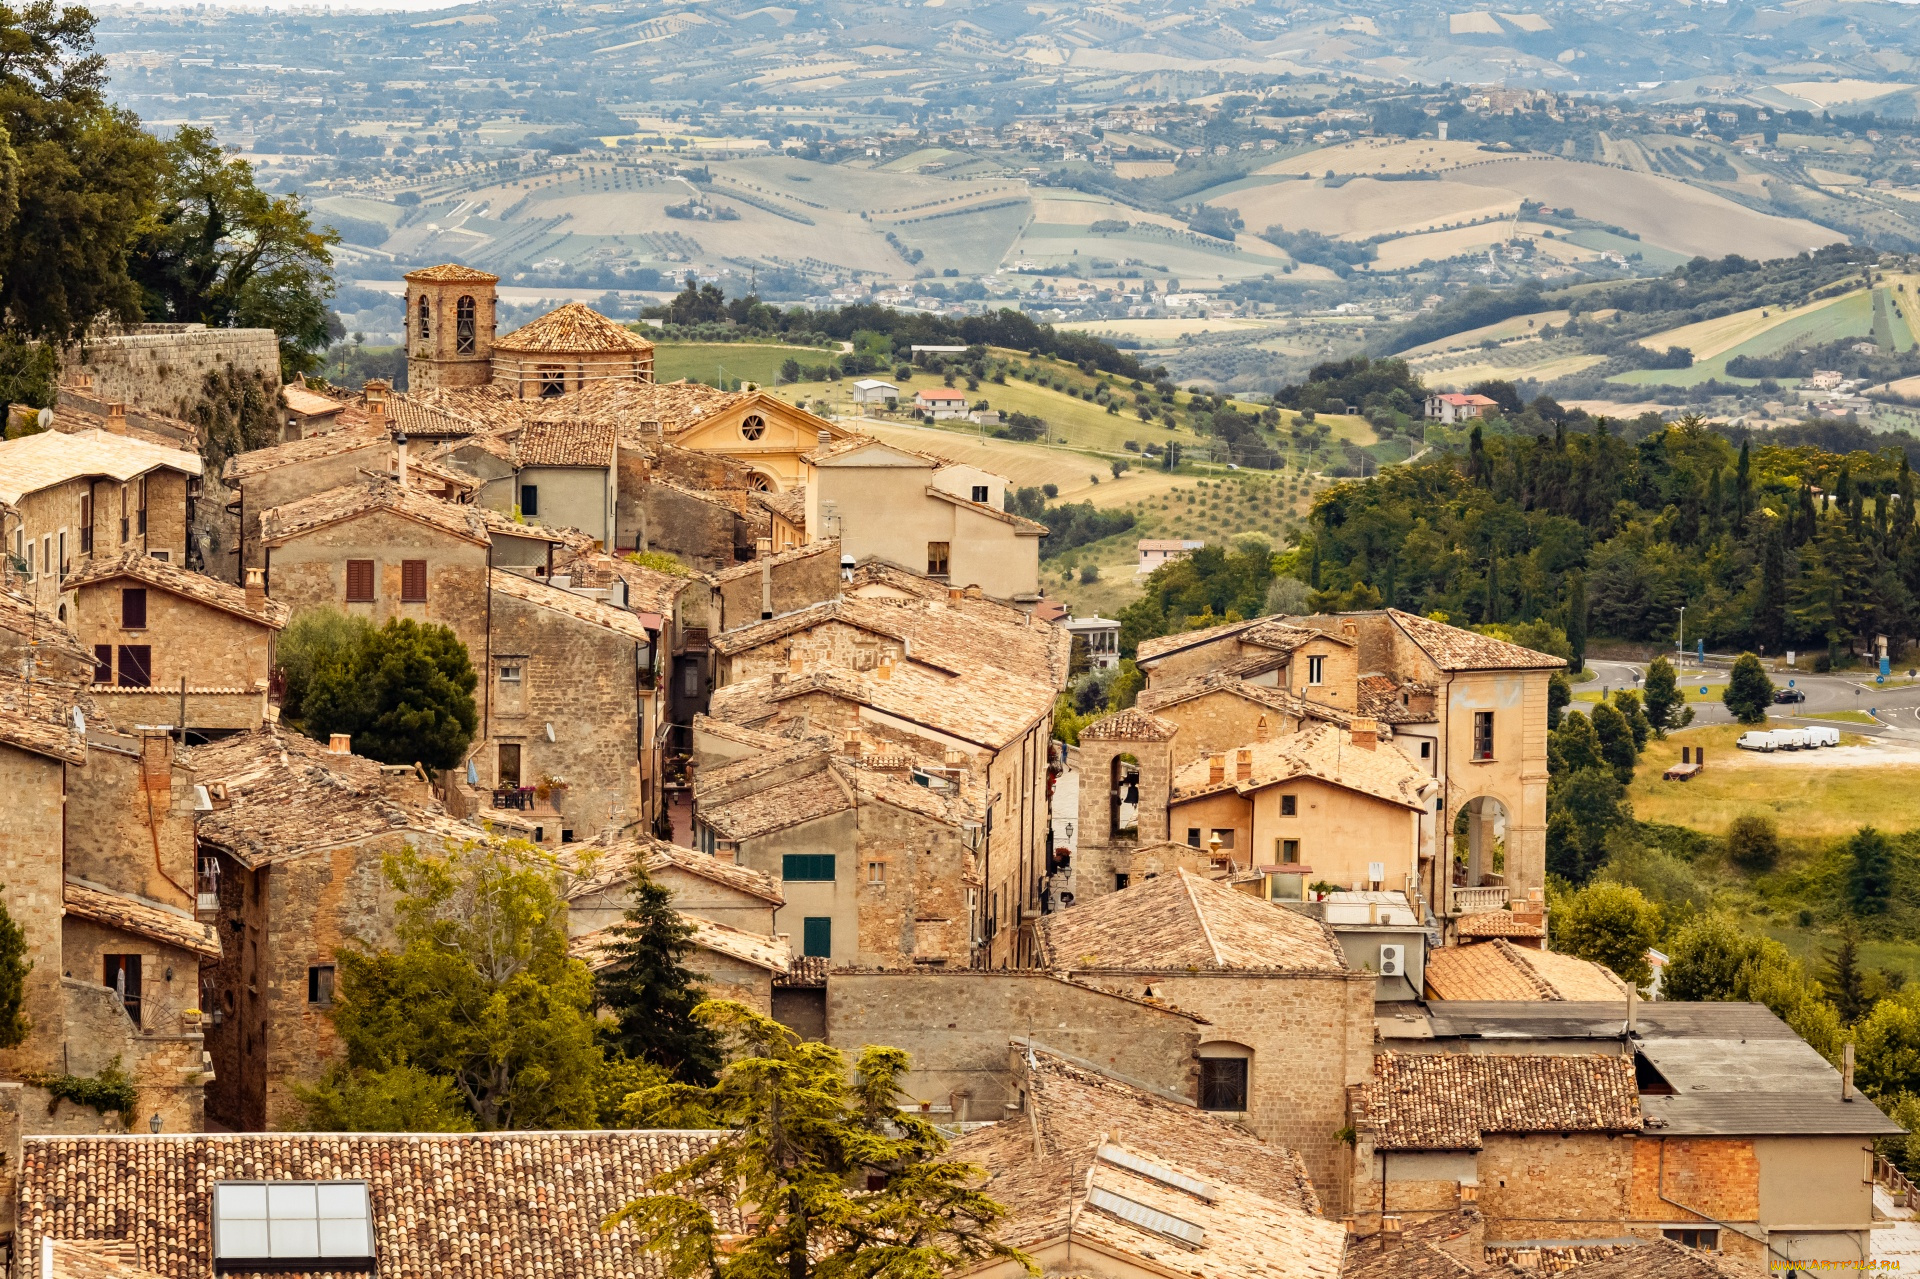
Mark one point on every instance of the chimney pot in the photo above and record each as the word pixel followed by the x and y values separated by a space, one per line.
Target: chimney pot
pixel 1243 764
pixel 340 744
pixel 256 588
pixel 1216 769
pixel 825 438
pixel 1469 1193
pixel 117 418
pixel 1365 733
pixel 1389 1231
pixel 763 546
pixel 955 594
pixel 376 411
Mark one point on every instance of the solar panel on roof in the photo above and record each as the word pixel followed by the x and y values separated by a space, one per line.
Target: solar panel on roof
pixel 1152 1171
pixel 1135 1213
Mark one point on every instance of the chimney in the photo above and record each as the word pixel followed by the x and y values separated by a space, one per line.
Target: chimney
pixel 83 381
pixel 1469 1192
pixel 1846 1072
pixel 1633 1008
pixel 1389 1232
pixel 762 547
pixel 1365 733
pixel 117 418
pixel 400 456
pixel 257 589
pixel 826 438
pixel 376 390
pixel 1243 765
pixel 955 594
pixel 1216 769
pixel 340 744
pixel 1260 730
pixel 885 669
pixel 377 412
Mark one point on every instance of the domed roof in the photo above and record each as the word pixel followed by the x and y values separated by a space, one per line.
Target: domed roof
pixel 574 329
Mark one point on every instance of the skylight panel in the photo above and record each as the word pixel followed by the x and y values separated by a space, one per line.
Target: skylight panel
pixel 1138 1214
pixel 279 1222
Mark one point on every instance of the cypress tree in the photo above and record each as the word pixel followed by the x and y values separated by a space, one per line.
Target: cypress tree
pixel 1577 622
pixel 650 991
pixel 1770 614
pixel 1742 490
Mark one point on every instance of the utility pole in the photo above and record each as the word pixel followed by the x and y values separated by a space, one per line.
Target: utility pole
pixel 1680 644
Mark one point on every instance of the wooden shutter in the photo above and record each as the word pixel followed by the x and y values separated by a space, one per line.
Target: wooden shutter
pixel 133 609
pixel 103 663
pixel 136 666
pixel 359 581
pixel 413 581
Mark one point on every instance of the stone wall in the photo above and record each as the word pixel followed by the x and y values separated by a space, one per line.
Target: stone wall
pixel 207 710
pixel 130 820
pixel 702 534
pixel 1101 853
pixel 165 366
pixel 725 977
pixel 956 1027
pixel 794 584
pixel 261 491
pixel 167 1064
pixel 1221 721
pixel 206 646
pixel 31 845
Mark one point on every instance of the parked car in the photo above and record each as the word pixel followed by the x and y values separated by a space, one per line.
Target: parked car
pixel 1782 695
pixel 1755 741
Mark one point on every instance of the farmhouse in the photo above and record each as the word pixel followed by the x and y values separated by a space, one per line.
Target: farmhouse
pixel 1155 551
pixel 1449 407
pixel 940 402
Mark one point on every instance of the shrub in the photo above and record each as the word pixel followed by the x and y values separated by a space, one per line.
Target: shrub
pixel 1609 924
pixel 1752 842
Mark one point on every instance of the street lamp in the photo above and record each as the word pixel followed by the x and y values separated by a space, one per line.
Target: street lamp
pixel 1680 645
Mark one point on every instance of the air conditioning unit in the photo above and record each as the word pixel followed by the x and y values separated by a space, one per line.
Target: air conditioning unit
pixel 1393 961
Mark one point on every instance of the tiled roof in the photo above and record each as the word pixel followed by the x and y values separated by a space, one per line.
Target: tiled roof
pixel 1182 921
pixel 546 443
pixel 1500 923
pixel 1499 969
pixel 30 463
pixel 789 804
pixel 558 600
pixel 790 506
pixel 807 970
pixel 420 470
pixel 298 399
pixel 89 1259
pixel 1445 1101
pixel 1283 636
pixel 1374 1258
pixel 989 707
pixel 308 448
pixel 37 716
pixel 739 734
pixel 771 953
pixel 451 273
pixel 573 329
pixel 1092 1146
pixel 1454 649
pixel 1279 699
pixel 1386 700
pixel 350 500
pixel 454 1206
pixel 1130 725
pixel 144 918
pixel 170 577
pixel 1322 751
pixel 596 867
pixel 1161 645
pixel 955 808
pixel 648 590
pixel 421 418
pixel 498 525
pixel 287 795
pixel 1022 526
pixel 1665 1259
pixel 777 560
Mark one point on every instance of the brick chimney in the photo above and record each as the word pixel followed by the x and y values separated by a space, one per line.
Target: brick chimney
pixel 377 412
pixel 117 418
pixel 376 390
pixel 826 438
pixel 400 457
pixel 1243 765
pixel 955 594
pixel 1389 1232
pixel 1260 730
pixel 762 547
pixel 1216 769
pixel 257 589
pixel 1366 733
pixel 340 744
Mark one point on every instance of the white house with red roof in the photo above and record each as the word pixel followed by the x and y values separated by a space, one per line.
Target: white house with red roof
pixel 941 402
pixel 1452 406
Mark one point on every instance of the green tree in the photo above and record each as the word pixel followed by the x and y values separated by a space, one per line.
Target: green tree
pixel 1712 958
pixel 1749 692
pixel 400 1099
pixel 404 694
pixel 14 967
pixel 1559 697
pixel 833 1178
pixel 1616 740
pixel 1887 1052
pixel 1577 622
pixel 313 640
pixel 1752 842
pixel 1609 924
pixel 651 993
pixel 480 993
pixel 1627 702
pixel 1846 983
pixel 1583 808
pixel 224 253
pixel 1869 872
pixel 1663 696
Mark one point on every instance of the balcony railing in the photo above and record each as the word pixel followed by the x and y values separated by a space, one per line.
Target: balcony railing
pixel 1474 901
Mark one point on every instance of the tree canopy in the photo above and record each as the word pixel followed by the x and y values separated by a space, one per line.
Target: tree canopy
pixel 403 693
pixel 651 993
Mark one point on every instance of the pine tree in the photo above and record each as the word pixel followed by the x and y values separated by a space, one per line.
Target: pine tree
pixel 650 991
pixel 1662 694
pixel 1845 981
pixel 1492 613
pixel 1577 622
pixel 1869 872
pixel 1616 740
pixel 1742 491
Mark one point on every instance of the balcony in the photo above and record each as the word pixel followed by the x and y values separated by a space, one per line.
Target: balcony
pixel 1474 901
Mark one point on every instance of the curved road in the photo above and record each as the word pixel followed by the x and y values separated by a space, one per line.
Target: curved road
pixel 1897 705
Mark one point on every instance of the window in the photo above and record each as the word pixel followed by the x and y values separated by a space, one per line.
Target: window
pixel 121 975
pixel 1223 1083
pixel 1426 750
pixel 280 1222
pixel 359 581
pixel 1289 852
pixel 1483 734
pixel 1193 837
pixel 753 427
pixel 937 559
pixel 816 937
pixel 1316 667
pixel 29 559
pixel 510 674
pixel 463 326
pixel 810 867
pixel 1224 836
pixel 141 514
pixel 86 523
pixel 133 609
pixel 566 834
pixel 62 561
pixel 136 665
pixel 876 872
pixel 689 677
pixel 553 381
pixel 425 312
pixel 1120 880
pixel 413 581
pixel 320 984
pixel 103 663
pixel 46 553
pixel 509 764
pixel 123 515
pixel 529 499
pixel 1289 805
pixel 1694 1237
pixel 980 493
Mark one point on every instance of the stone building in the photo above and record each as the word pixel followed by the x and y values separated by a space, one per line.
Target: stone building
pixel 601 875
pixel 450 325
pixel 776 582
pixel 290 472
pixel 1290 1027
pixel 451 343
pixel 173 647
pixel 65 499
pixel 291 851
pixel 567 476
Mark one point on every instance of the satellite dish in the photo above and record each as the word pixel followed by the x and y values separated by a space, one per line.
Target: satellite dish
pixel 43 419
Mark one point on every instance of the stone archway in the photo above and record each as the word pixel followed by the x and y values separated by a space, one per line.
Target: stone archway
pixel 1482 829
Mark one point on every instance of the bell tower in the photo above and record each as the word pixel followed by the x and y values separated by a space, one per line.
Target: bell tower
pixel 449 327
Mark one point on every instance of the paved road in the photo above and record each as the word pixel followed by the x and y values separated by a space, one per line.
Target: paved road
pixel 1898 706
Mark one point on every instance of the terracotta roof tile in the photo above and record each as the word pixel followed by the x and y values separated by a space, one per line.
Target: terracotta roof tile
pixel 91 1259
pixel 1158 699
pixel 1161 645
pixel 1500 923
pixel 1664 1259
pixel 1387 700
pixel 351 500
pixel 789 804
pixel 1022 526
pixel 30 463
pixel 1454 649
pixel 1374 1258
pixel 573 329
pixel 451 273
pixel 1323 751
pixel 167 576
pixel 298 399
pixel 1182 921
pixel 142 917
pixel 599 866
pixel 1499 970
pixel 569 443
pixel 790 506
pixel 774 954
pixel 1445 1101
pixel 38 716
pixel 455 1206
pixel 807 971
pixel 559 600
pixel 308 448
pixel 778 559
pixel 1130 725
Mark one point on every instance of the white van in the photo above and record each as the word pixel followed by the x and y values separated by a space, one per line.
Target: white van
pixel 1822 736
pixel 1755 741
pixel 1791 739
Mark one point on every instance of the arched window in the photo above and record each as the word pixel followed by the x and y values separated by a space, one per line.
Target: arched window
pixel 754 426
pixel 463 326
pixel 1123 797
pixel 759 483
pixel 425 312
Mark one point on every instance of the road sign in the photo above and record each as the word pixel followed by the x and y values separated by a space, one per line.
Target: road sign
pixel 1790 683
pixel 1879 679
pixel 1703 690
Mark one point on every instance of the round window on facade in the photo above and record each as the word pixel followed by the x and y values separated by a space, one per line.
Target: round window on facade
pixel 754 426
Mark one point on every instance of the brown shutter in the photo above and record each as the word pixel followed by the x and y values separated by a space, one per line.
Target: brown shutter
pixel 413 581
pixel 136 666
pixel 133 608
pixel 360 581
pixel 103 663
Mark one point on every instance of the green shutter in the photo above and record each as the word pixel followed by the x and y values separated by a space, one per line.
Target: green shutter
pixel 816 937
pixel 817 867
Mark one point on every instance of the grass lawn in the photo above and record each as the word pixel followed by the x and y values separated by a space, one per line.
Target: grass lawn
pixel 1811 794
pixel 1691 691
pixel 1845 717
pixel 743 361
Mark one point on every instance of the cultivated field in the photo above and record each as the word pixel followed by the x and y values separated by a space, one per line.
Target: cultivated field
pixel 1815 794
pixel 1848 316
pixel 1499 331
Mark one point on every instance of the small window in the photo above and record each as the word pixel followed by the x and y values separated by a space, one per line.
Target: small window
pixel 807 867
pixel 529 499
pixel 1224 836
pixel 425 312
pixel 1426 750
pixel 271 1225
pixel 510 674
pixel 937 559
pixel 753 427
pixel 320 984
pixel 1223 1083
pixel 1483 734
pixel 689 677
pixel 566 834
pixel 553 382
pixel 980 493
pixel 359 581
pixel 103 663
pixel 1316 667
pixel 1193 837
pixel 816 937
pixel 1289 852
pixel 1120 880
pixel 121 975
pixel 86 523
pixel 1289 805
pixel 876 872
pixel 1707 1240
pixel 136 665
pixel 413 581
pixel 133 609
pixel 463 311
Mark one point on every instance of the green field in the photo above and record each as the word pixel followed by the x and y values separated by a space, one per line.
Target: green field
pixel 1849 317
pixel 1813 797
pixel 737 361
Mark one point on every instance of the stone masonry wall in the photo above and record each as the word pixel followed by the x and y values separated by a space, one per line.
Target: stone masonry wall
pixel 31 845
pixel 208 647
pixel 164 370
